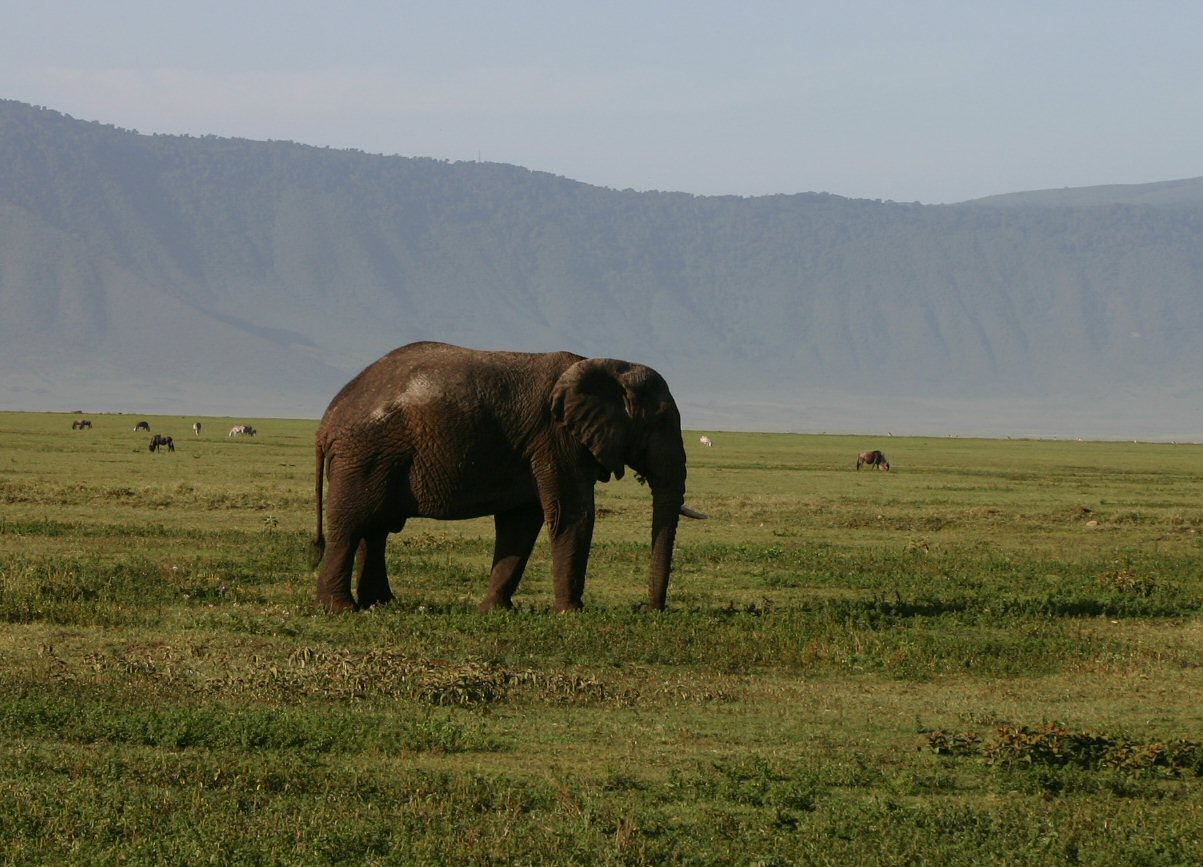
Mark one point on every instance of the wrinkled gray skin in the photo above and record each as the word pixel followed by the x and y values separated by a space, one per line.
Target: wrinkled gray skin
pixel 438 431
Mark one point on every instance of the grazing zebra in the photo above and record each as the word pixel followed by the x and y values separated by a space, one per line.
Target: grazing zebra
pixel 706 441
pixel 159 441
pixel 196 428
pixel 873 459
pixel 242 430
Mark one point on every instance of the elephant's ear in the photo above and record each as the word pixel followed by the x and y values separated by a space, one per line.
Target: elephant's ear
pixel 589 400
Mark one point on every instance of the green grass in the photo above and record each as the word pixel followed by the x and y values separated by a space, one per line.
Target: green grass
pixel 991 654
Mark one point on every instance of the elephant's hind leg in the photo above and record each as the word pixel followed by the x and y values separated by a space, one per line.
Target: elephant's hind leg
pixel 517 531
pixel 334 580
pixel 372 587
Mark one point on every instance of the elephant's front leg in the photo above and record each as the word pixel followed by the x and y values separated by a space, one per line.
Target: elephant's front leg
pixel 373 588
pixel 517 532
pixel 571 536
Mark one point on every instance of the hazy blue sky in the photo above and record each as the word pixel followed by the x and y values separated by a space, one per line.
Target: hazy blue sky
pixel 893 99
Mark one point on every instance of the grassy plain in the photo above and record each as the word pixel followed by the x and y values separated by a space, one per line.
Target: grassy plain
pixel 991 654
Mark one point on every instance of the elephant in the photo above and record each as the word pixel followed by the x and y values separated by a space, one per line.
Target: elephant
pixel 873 459
pixel 432 430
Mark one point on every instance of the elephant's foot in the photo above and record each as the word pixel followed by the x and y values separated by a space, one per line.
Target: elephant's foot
pixel 336 603
pixel 375 599
pixel 493 603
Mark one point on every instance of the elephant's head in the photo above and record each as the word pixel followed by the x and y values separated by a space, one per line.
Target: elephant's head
pixel 625 416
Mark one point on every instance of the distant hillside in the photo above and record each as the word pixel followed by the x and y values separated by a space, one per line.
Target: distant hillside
pixel 1187 192
pixel 214 275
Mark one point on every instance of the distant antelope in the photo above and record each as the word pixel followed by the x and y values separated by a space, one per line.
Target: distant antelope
pixel 706 441
pixel 873 459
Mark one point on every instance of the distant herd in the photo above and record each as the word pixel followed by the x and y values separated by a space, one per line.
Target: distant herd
pixel 164 442
pixel 874 458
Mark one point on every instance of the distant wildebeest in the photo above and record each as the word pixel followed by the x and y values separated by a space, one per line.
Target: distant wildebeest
pixel 196 428
pixel 242 430
pixel 873 459
pixel 81 424
pixel 159 441
pixel 142 425
pixel 706 441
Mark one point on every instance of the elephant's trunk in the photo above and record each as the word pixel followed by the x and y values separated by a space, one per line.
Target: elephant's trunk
pixel 666 511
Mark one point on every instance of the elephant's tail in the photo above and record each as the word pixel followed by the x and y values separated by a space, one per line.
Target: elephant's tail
pixel 318 548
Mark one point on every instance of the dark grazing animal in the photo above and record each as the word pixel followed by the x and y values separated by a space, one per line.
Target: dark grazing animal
pixel 873 459
pixel 159 441
pixel 142 425
pixel 81 424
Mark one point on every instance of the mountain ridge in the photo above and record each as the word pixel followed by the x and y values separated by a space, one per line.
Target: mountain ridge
pixel 148 270
pixel 1183 191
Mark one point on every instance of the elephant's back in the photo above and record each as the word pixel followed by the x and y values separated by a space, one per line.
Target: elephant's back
pixel 425 384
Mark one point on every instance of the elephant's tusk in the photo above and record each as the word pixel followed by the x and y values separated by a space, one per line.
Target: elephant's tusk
pixel 691 513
